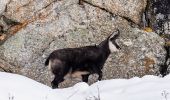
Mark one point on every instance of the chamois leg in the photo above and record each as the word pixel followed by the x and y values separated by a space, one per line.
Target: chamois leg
pixel 85 78
pixel 100 74
pixel 56 81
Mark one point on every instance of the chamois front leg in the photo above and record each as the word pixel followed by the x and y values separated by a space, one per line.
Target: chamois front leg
pixel 56 81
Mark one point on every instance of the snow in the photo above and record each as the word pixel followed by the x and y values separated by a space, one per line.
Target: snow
pixel 17 87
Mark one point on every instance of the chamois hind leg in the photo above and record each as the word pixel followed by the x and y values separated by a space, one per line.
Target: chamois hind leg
pixel 85 78
pixel 58 69
pixel 100 76
pixel 100 73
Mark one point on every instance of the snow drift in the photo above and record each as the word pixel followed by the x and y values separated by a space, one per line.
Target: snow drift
pixel 17 87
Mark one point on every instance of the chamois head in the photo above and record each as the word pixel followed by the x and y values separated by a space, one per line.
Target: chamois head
pixel 113 45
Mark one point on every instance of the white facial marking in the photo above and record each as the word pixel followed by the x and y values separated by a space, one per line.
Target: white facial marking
pixel 112 47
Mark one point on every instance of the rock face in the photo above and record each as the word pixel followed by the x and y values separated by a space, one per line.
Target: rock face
pixel 139 55
pixel 3 4
pixel 131 9
pixel 47 26
pixel 158 16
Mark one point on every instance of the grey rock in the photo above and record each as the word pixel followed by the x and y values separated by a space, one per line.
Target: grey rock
pixel 6 67
pixel 142 54
pixel 157 16
pixel 131 9
pixel 31 10
pixel 3 4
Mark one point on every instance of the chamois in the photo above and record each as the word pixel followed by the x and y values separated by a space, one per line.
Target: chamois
pixel 82 61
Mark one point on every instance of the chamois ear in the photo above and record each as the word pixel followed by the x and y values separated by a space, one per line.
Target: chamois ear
pixel 114 35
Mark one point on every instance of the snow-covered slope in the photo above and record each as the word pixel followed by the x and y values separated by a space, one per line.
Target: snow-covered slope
pixel 16 87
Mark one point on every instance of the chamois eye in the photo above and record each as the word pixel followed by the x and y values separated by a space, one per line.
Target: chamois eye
pixel 111 39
